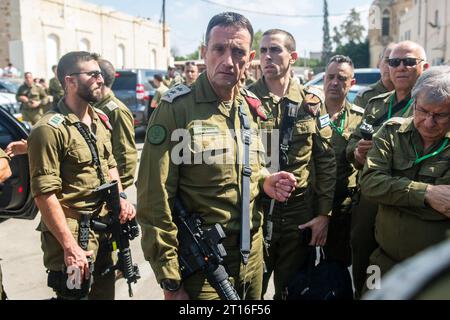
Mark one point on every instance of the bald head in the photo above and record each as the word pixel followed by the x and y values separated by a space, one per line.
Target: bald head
pixel 404 76
pixel 409 46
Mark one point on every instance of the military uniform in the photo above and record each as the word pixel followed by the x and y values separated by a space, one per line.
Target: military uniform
pixel 159 93
pixel 61 163
pixel 33 93
pixel 395 177
pixel 364 95
pixel 338 240
pixel 56 90
pixel 122 137
pixel 178 79
pixel 213 191
pixel 310 147
pixel 2 291
pixel 364 212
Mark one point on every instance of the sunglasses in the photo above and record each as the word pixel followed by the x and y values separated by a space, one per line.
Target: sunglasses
pixel 96 74
pixel 407 62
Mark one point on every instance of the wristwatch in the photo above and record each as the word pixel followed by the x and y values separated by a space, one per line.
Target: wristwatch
pixel 170 285
pixel 123 195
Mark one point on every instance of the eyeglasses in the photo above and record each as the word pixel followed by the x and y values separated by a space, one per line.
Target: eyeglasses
pixel 190 63
pixel 440 118
pixel 96 74
pixel 407 62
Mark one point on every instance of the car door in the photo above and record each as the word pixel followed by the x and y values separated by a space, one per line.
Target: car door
pixel 15 194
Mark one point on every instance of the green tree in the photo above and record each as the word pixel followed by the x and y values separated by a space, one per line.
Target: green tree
pixel 349 40
pixel 256 42
pixel 327 47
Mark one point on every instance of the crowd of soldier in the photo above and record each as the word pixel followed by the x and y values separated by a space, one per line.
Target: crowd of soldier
pixel 373 199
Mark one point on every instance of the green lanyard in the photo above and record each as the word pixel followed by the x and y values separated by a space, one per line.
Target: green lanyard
pixel 404 109
pixel 420 159
pixel 339 129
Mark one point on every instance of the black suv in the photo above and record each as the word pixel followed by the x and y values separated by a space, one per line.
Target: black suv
pixel 15 194
pixel 133 87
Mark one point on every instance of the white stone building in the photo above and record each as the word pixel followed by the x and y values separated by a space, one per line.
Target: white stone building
pixel 426 22
pixel 34 34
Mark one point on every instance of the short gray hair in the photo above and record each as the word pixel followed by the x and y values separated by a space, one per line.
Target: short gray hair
pixel 433 86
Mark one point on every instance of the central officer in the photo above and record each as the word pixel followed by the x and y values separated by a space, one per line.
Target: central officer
pixel 210 111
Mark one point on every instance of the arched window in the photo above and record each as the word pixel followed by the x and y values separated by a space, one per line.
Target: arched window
pixel 386 20
pixel 120 56
pixel 53 53
pixel 84 45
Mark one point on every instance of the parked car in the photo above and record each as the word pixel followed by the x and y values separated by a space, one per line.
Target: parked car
pixel 363 76
pixel 134 88
pixel 10 85
pixel 16 200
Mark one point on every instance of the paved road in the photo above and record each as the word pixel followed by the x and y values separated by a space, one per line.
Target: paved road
pixel 24 274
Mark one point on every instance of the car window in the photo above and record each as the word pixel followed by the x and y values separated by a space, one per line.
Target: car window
pixel 367 78
pixel 125 81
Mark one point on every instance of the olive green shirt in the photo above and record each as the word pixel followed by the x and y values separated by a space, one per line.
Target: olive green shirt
pixel 122 137
pixel 61 162
pixel 310 146
pixel 405 225
pixel 159 92
pixel 209 178
pixel 376 108
pixel 33 93
pixel 364 95
pixel 55 90
pixel 342 130
pixel 175 81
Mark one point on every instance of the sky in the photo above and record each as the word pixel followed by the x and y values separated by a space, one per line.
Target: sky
pixel 187 19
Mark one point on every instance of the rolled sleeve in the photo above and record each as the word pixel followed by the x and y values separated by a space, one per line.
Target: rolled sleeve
pixel 44 158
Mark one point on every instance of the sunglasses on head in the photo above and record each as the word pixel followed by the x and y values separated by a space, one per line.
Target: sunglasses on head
pixel 407 62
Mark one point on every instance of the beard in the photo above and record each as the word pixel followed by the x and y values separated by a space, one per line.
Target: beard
pixel 88 94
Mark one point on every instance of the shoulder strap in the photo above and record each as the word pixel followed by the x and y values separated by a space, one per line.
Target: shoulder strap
pixel 90 140
pixel 287 128
pixel 246 173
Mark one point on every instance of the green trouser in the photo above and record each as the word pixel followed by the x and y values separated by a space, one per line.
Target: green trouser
pixel 246 279
pixel 338 237
pixel 288 249
pixel 362 241
pixel 2 291
pixel 103 286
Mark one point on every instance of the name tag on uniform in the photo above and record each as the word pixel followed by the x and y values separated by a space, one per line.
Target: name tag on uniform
pixel 207 130
pixel 324 121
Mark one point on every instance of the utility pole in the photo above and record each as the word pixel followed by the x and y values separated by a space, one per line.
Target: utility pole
pixel 164 22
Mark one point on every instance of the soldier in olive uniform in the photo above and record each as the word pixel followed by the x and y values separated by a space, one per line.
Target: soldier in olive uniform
pixel 190 73
pixel 406 64
pixel 407 173
pixel 33 98
pixel 65 173
pixel 122 122
pixel 212 187
pixel 5 173
pixel 310 146
pixel 381 86
pixel 55 88
pixel 345 117
pixel 159 92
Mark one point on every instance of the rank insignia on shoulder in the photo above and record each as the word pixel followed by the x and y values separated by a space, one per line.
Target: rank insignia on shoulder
pixel 314 95
pixel 324 121
pixel 255 104
pixel 357 109
pixel 56 120
pixel 156 134
pixel 175 92
pixel 112 106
